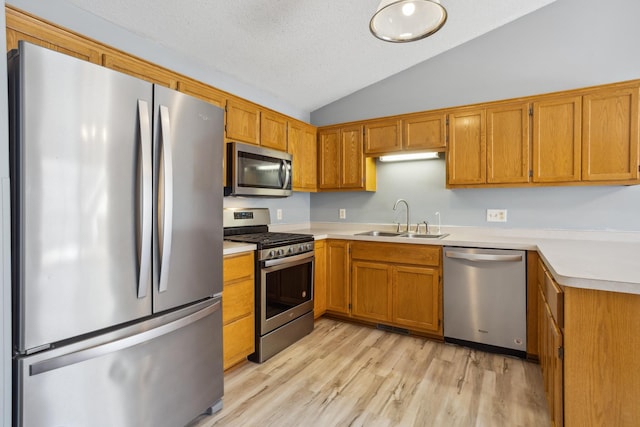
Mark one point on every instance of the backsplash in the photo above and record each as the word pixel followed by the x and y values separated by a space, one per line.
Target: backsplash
pixel 422 184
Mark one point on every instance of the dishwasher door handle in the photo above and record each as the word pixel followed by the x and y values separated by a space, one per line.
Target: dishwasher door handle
pixel 483 257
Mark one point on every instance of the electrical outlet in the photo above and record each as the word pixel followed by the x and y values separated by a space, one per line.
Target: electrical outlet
pixel 279 213
pixel 496 215
pixel 343 213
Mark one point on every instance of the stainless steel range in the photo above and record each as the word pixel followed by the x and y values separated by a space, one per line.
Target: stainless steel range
pixel 284 279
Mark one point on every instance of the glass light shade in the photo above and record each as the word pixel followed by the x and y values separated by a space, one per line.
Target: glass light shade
pixel 407 20
pixel 411 156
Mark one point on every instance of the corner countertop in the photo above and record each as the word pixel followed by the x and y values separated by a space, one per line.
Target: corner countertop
pixel 600 260
pixel 231 248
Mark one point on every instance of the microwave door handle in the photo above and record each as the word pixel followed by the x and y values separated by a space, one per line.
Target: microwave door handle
pixel 287 174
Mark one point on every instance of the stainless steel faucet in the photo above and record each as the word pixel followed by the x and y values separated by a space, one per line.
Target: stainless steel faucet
pixel 395 206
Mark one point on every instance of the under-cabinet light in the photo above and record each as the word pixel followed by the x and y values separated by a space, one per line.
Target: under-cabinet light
pixel 412 156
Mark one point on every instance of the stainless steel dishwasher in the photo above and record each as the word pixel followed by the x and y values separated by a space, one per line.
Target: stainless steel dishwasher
pixel 485 299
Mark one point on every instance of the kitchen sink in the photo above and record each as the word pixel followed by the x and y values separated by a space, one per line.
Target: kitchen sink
pixel 379 233
pixel 423 236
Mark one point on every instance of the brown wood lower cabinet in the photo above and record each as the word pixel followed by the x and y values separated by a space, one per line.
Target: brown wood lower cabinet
pixel 238 308
pixel 588 344
pixel 398 285
pixel 320 279
pixel 550 343
pixel 337 277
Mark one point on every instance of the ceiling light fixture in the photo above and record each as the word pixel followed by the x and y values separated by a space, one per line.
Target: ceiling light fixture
pixel 401 21
pixel 411 156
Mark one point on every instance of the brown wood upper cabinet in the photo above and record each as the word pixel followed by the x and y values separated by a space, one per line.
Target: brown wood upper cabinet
pixel 557 136
pixel 610 134
pixel 425 132
pixel 341 161
pixel 382 136
pixel 410 133
pixel 249 123
pixel 273 130
pixel 302 146
pixel 242 122
pixel 205 92
pixel 489 145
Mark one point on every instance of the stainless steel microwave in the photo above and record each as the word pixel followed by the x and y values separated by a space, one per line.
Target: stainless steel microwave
pixel 257 171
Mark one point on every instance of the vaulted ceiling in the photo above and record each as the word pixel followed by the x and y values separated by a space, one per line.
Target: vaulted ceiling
pixel 308 53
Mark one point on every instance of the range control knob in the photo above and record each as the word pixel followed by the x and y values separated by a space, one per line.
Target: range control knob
pixel 290 250
pixel 309 246
pixel 272 253
pixel 280 252
pixel 301 248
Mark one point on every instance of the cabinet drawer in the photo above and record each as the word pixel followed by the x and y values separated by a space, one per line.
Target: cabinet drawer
pixel 237 300
pixel 238 266
pixel 237 341
pixel 397 253
pixel 555 299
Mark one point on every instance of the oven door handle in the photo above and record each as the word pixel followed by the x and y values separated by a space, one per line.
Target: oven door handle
pixel 288 260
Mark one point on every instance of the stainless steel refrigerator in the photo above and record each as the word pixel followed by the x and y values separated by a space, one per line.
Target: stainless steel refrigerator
pixel 116 203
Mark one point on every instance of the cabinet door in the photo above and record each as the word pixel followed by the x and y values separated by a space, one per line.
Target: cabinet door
pixel 302 146
pixel 352 158
pixel 424 132
pixel 557 139
pixel 417 298
pixel 238 308
pixel 200 90
pixel 508 143
pixel 371 290
pixel 20 26
pixel 338 287
pixel 320 280
pixel 273 131
pixel 467 155
pixel 382 136
pixel 242 122
pixel 140 69
pixel 610 135
pixel 329 159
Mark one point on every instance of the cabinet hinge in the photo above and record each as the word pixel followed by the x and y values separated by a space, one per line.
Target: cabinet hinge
pixel 446 121
pixel 349 306
pixel 638 168
pixel 531 111
pixel 561 353
pixel 439 322
pixel 530 173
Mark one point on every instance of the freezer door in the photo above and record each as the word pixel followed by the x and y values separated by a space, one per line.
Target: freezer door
pixel 79 136
pixel 163 372
pixel 188 136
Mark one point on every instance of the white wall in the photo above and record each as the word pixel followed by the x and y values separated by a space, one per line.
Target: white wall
pixel 568 44
pixel 422 184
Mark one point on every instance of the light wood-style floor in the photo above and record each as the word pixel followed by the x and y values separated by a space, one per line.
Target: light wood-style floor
pixel 344 374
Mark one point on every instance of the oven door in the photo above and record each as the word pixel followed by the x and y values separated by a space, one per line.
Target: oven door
pixel 286 290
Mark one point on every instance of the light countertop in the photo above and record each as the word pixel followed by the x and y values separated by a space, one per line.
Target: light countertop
pixel 230 248
pixel 601 260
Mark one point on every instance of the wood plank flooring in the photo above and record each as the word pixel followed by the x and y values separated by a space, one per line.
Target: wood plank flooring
pixel 344 374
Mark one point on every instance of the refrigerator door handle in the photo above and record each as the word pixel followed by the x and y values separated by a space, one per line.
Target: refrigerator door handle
pixel 146 198
pixel 119 344
pixel 165 126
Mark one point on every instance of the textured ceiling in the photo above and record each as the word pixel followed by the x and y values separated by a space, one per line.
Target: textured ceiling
pixel 307 53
